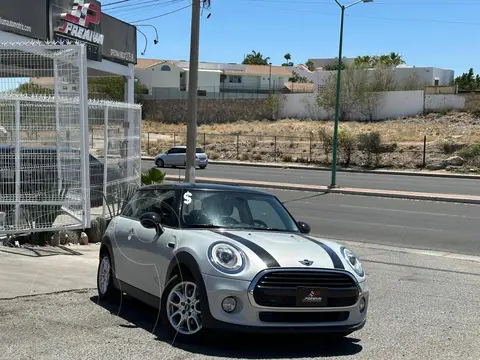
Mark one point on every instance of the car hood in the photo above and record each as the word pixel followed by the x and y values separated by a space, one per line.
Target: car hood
pixel 267 249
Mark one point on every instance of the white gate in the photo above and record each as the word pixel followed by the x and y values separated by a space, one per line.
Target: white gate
pixel 44 155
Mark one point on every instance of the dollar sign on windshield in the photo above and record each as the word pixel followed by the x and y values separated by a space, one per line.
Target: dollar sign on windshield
pixel 187 198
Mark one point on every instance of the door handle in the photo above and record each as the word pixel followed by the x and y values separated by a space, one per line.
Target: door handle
pixel 130 234
pixel 171 245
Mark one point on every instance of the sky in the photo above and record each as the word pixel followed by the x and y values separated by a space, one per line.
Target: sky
pixel 442 33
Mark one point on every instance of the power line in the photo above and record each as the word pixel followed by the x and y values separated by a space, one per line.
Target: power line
pixel 115 2
pixel 313 2
pixel 164 14
pixel 145 2
pixel 366 17
pixel 136 11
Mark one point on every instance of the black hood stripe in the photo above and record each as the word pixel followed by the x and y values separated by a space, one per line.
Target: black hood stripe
pixel 268 259
pixel 337 262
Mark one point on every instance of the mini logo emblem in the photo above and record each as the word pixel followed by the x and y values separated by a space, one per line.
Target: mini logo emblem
pixel 306 262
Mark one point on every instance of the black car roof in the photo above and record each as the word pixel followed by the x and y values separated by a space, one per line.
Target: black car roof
pixel 205 186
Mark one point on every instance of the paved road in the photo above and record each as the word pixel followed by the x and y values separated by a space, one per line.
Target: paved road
pixel 421 309
pixel 356 180
pixel 406 223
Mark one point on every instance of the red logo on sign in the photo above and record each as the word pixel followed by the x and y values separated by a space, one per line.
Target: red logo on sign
pixel 83 14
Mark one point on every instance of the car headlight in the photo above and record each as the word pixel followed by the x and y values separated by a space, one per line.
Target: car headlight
pixel 353 261
pixel 226 258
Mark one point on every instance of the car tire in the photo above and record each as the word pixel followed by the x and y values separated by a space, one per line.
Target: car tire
pixel 190 328
pixel 203 166
pixel 159 163
pixel 105 286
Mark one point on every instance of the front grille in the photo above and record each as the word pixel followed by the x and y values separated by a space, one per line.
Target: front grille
pixel 303 317
pixel 280 288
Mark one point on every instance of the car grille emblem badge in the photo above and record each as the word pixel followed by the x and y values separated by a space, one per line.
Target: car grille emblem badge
pixel 306 262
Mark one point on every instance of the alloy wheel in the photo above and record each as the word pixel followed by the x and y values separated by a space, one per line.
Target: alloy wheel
pixel 183 308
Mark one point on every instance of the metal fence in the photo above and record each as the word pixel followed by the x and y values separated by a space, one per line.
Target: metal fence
pixel 50 178
pixel 227 92
pixel 307 149
pixel 114 140
pixel 42 152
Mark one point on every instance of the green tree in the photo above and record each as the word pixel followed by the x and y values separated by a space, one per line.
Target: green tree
pixel 287 57
pixel 113 88
pixel 33 89
pixel 310 66
pixel 334 67
pixel 105 88
pixel 255 58
pixel 297 78
pixel 468 81
pixel 392 59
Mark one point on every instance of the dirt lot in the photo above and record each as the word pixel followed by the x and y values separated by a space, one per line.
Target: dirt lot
pixel 290 140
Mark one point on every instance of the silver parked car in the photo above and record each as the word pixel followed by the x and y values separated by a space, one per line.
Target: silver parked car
pixel 217 256
pixel 177 156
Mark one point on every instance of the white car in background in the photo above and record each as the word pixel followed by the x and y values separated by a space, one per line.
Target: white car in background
pixel 177 156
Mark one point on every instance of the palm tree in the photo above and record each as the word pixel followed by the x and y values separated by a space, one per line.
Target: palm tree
pixel 395 59
pixel 287 57
pixel 255 58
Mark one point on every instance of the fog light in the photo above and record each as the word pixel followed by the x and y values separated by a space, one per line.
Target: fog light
pixel 362 304
pixel 229 304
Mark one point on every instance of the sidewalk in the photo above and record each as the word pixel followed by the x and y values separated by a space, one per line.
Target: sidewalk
pixel 37 270
pixel 466 199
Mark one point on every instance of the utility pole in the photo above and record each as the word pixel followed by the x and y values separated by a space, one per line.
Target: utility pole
pixel 192 93
pixel 333 182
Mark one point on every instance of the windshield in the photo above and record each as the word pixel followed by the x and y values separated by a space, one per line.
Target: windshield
pixel 226 209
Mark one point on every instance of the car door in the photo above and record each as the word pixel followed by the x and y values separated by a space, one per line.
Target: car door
pixel 181 157
pixel 158 248
pixel 127 249
pixel 168 157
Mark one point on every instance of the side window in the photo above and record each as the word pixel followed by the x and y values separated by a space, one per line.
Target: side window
pixel 172 151
pixel 182 151
pixel 131 208
pixel 161 202
pixel 262 210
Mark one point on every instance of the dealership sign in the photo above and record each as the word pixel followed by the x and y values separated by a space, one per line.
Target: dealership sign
pixel 25 17
pixel 104 36
pixel 76 23
pixel 79 20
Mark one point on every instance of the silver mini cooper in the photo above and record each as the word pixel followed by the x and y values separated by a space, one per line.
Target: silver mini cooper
pixel 216 256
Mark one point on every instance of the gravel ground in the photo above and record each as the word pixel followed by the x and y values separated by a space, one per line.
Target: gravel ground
pixel 422 307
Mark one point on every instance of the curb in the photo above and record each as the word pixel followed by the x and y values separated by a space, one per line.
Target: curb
pixel 464 199
pixel 352 171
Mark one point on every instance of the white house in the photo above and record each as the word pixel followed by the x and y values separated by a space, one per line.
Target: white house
pixel 423 76
pixel 166 79
pixel 169 79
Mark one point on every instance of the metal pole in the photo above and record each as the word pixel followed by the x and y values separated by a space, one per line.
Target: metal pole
pixel 83 113
pixel 424 150
pixel 192 93
pixel 57 123
pixel 18 144
pixel 270 80
pixel 105 160
pixel 148 143
pixel 337 105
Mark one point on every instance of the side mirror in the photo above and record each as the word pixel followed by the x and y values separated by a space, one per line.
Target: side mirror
pixel 304 227
pixel 151 220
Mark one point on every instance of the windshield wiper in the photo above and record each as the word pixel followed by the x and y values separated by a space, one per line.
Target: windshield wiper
pixel 209 226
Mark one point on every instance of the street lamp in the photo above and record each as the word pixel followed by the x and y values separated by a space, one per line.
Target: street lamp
pixel 337 101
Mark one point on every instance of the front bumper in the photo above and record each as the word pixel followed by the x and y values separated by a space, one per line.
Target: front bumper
pixel 201 162
pixel 250 316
